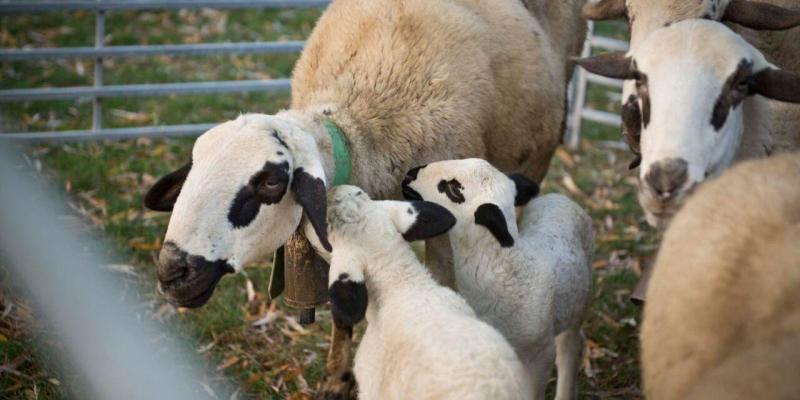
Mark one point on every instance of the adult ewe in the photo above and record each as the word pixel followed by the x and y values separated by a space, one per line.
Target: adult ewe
pixel 780 46
pixel 531 282
pixel 423 341
pixel 722 319
pixel 382 85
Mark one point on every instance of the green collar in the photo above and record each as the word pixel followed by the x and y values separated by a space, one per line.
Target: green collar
pixel 341 154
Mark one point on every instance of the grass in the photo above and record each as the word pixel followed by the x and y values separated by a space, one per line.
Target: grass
pixel 105 181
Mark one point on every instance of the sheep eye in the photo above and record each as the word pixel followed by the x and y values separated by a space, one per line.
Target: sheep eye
pixel 452 189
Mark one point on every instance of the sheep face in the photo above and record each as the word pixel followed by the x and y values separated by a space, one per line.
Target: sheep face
pixel 693 80
pixel 475 192
pixel 241 197
pixel 361 231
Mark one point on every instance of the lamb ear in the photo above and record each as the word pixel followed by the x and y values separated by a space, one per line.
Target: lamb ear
pixel 490 216
pixel 604 10
pixel 615 65
pixel 348 296
pixel 310 192
pixel 420 220
pixel 761 16
pixel 162 196
pixel 527 189
pixel 776 84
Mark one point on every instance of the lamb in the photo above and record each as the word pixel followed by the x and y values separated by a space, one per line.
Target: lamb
pixel 781 48
pixel 696 111
pixel 532 284
pixel 422 339
pixel 381 86
pixel 722 319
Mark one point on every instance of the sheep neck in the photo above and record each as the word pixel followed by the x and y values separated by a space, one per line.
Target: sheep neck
pixel 477 253
pixel 396 272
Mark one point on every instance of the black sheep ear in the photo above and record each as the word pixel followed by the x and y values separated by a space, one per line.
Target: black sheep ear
pixel 348 300
pixel 162 196
pixel 310 192
pixel 490 216
pixel 430 220
pixel 527 189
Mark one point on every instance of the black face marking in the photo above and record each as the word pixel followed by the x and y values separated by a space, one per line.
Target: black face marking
pixel 267 186
pixel 278 138
pixel 643 92
pixel 452 189
pixel 491 217
pixel 632 128
pixel 280 153
pixel 188 280
pixel 432 220
pixel 734 91
pixel 348 302
pixel 526 189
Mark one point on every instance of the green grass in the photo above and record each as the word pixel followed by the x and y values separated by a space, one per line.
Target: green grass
pixel 105 182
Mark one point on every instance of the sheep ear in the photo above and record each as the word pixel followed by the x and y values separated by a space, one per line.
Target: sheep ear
pixel 615 65
pixel 761 16
pixel 420 220
pixel 490 216
pixel 527 189
pixel 776 84
pixel 162 196
pixel 604 10
pixel 347 293
pixel 310 192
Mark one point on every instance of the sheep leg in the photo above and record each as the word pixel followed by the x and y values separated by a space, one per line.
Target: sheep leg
pixel 339 383
pixel 539 367
pixel 569 348
pixel 439 261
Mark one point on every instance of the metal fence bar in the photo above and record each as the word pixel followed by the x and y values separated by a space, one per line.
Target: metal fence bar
pixel 92 5
pixel 147 89
pixel 115 353
pixel 108 133
pixel 99 39
pixel 293 46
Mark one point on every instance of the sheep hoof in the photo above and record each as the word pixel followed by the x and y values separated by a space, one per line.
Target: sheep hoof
pixel 340 386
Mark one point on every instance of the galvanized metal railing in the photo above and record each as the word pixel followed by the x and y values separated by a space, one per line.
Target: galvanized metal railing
pixel 100 52
pixel 578 110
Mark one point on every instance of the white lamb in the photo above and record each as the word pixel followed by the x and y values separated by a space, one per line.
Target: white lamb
pixel 422 340
pixel 533 285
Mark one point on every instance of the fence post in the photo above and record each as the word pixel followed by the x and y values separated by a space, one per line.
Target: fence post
pixel 573 139
pixel 99 39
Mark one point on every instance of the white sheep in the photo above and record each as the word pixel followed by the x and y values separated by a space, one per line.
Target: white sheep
pixel 532 283
pixel 722 319
pixel 780 47
pixel 422 339
pixel 700 105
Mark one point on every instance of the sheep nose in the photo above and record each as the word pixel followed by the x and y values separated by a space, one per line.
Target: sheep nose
pixel 666 177
pixel 172 263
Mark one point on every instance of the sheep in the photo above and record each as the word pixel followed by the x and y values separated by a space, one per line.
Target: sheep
pixel 695 111
pixel 722 319
pixel 382 85
pixel 422 339
pixel 394 84
pixel 781 48
pixel 532 284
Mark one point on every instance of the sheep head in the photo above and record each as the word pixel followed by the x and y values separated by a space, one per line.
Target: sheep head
pixel 364 231
pixel 241 197
pixel 693 80
pixel 475 192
